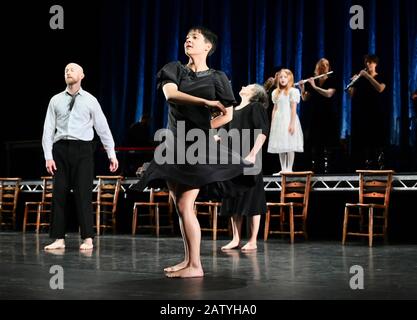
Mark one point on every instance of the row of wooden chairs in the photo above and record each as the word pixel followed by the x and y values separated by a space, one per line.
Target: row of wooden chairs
pixel 370 213
pixel 108 189
pixel 292 210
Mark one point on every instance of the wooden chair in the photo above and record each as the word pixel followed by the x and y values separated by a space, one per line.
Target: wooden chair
pixel 41 208
pixel 158 199
pixel 9 193
pixel 210 209
pixel 108 189
pixel 374 195
pixel 293 205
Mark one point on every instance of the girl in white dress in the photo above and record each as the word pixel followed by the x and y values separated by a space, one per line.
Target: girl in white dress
pixel 286 136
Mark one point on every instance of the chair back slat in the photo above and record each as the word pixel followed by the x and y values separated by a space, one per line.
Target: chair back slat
pixel 9 193
pixel 108 189
pixel 375 186
pixel 296 188
pixel 294 195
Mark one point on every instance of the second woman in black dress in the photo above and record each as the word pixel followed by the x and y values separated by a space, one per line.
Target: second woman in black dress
pixel 249 116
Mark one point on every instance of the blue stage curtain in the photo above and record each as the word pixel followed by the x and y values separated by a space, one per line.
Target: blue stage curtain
pixel 226 40
pixel 260 40
pixel 372 27
pixel 347 72
pixel 277 35
pixel 139 37
pixel 321 29
pixel 396 76
pixel 411 9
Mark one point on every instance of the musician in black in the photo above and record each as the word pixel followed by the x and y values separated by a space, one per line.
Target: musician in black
pixel 369 123
pixel 320 123
pixel 270 85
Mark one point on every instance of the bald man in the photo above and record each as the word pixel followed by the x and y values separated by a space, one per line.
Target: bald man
pixel 68 149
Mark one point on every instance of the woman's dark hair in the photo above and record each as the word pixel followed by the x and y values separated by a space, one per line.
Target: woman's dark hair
pixel 259 95
pixel 371 58
pixel 208 35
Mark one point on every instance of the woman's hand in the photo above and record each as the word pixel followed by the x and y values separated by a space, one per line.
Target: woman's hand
pixel 251 158
pixel 312 82
pixel 216 104
pixel 364 73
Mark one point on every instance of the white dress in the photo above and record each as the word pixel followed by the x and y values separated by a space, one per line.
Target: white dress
pixel 280 140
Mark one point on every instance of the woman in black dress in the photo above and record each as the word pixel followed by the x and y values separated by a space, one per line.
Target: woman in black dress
pixel 191 91
pixel 249 118
pixel 321 131
pixel 369 122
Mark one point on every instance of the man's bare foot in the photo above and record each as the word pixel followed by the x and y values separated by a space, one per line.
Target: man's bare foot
pixel 249 247
pixel 187 272
pixel 57 244
pixel 231 245
pixel 87 244
pixel 177 267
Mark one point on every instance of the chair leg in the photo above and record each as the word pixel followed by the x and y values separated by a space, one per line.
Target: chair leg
pixel 345 223
pixel 371 226
pixel 214 212
pixel 292 224
pixel 25 218
pixel 113 222
pixel 267 219
pixel 98 219
pixel 134 220
pixel 38 218
pixel 157 220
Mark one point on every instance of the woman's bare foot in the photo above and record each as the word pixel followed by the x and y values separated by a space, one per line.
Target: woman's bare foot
pixel 177 267
pixel 87 244
pixel 57 244
pixel 231 245
pixel 187 272
pixel 249 247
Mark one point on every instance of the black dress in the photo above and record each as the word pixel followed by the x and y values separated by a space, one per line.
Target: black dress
pixel 211 85
pixel 322 129
pixel 320 125
pixel 253 201
pixel 369 121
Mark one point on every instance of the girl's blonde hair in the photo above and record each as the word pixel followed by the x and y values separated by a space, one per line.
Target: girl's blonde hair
pixel 290 83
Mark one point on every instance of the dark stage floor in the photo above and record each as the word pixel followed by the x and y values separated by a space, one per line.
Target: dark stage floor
pixel 125 267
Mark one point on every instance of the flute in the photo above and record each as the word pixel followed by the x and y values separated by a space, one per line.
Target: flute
pixel 314 78
pixel 353 80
